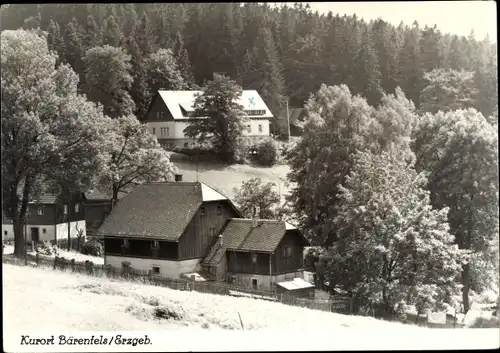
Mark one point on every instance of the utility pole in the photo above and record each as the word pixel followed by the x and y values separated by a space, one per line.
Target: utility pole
pixel 288 120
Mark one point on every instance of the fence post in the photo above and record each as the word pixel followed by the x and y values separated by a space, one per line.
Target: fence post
pixel 36 258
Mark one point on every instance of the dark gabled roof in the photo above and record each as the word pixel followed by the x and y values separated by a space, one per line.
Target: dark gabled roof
pixel 158 210
pixel 45 199
pixel 239 235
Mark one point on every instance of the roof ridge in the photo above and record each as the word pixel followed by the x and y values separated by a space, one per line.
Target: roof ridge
pixel 258 220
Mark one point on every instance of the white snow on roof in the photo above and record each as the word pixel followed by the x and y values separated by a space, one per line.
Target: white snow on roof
pixel 288 226
pixel 209 194
pixel 297 283
pixel 250 100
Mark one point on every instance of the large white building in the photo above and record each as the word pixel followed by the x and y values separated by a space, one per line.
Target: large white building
pixel 170 111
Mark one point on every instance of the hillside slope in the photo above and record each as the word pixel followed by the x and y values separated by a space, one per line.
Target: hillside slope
pixel 224 178
pixel 38 301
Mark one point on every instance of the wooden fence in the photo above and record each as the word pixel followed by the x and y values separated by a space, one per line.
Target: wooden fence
pixel 341 304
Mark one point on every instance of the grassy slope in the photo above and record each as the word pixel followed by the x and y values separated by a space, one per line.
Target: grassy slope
pixel 224 178
pixel 43 301
pixel 105 304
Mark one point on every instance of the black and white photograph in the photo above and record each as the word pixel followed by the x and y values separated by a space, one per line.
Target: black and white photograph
pixel 261 176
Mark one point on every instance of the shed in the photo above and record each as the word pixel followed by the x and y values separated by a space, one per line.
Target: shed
pixel 297 287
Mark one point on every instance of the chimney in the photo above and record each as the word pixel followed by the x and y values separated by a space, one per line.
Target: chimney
pixel 178 177
pixel 254 217
pixel 221 239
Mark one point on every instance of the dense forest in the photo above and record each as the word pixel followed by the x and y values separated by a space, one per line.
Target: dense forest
pixel 281 52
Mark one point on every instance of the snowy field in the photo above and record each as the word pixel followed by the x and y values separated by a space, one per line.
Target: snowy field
pixel 79 257
pixel 37 300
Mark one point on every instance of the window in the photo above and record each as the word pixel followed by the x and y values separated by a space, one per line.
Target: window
pixel 287 252
pixel 161 115
pixel 212 231
pixel 65 209
pixel 203 211
pixel 40 211
pixel 254 283
pixel 156 270
pixel 260 127
pixel 155 244
pixel 249 128
pixel 168 131
pixel 219 210
pixel 232 279
pixel 157 115
pixel 125 243
pixel 186 144
pixel 77 208
pixel 254 259
pixel 154 131
pixel 255 112
pixel 44 230
pixel 5 232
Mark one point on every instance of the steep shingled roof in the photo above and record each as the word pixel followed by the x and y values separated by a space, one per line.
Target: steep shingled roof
pixel 174 100
pixel 157 210
pixel 239 234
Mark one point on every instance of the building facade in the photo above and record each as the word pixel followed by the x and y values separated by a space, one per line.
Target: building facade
pixel 165 228
pixel 49 218
pixel 171 111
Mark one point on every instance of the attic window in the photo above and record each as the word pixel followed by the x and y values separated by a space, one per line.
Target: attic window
pixel 219 210
pixel 77 208
pixel 125 243
pixel 40 211
pixel 254 259
pixel 155 244
pixel 203 211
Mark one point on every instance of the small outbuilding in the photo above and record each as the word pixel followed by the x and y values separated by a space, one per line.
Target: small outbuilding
pixel 296 287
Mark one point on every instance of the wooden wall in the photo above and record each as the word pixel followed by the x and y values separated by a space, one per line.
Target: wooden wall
pixel 95 214
pixel 202 231
pixel 141 248
pixel 281 264
pixel 241 262
pixel 158 105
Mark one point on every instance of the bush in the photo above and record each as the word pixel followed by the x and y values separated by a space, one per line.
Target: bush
pixel 46 248
pixel 267 153
pixel 93 247
pixel 482 322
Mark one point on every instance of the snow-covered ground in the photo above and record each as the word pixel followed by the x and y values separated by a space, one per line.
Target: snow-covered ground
pixel 9 249
pixel 44 300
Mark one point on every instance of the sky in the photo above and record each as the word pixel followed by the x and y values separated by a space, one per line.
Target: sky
pixel 455 17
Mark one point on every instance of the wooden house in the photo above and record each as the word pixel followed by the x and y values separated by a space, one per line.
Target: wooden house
pixel 176 228
pixel 166 228
pixel 48 218
pixel 257 253
pixel 170 111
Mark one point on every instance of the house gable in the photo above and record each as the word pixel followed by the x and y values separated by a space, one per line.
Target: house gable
pixel 204 228
pixel 155 110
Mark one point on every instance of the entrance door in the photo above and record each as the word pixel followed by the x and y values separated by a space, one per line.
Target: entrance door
pixel 35 236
